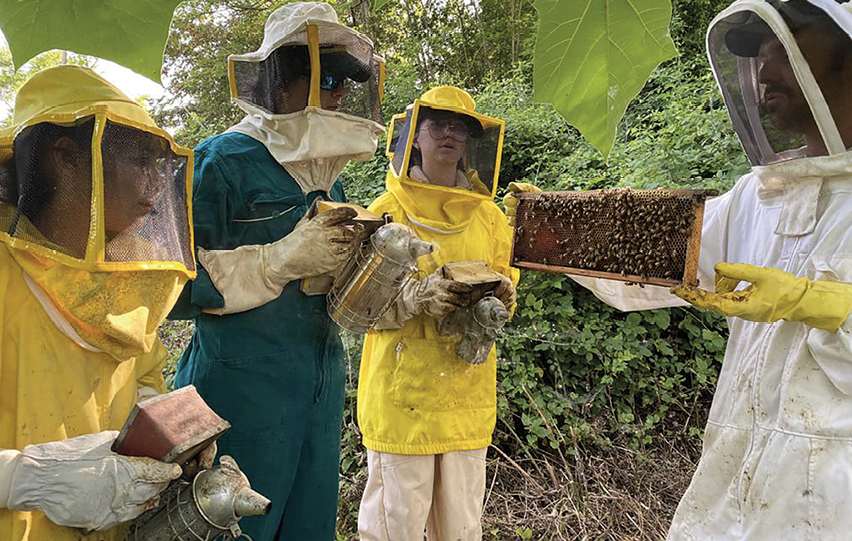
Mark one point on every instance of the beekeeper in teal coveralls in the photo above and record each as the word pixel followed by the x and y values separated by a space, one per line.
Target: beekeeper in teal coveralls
pixel 265 356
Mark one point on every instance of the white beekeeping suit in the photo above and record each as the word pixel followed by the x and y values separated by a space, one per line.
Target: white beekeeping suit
pixel 777 458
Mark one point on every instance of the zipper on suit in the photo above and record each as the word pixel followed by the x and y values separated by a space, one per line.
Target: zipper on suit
pixel 754 391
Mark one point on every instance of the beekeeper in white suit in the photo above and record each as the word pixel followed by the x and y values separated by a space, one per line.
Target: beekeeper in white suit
pixel 777 459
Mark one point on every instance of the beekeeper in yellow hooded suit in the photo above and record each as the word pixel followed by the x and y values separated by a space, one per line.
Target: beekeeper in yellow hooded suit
pixel 426 414
pixel 96 246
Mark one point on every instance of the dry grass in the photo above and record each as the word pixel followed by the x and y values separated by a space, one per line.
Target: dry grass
pixel 598 493
pixel 610 493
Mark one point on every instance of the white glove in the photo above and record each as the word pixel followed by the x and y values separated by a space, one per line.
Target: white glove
pixel 80 482
pixel 434 296
pixel 251 276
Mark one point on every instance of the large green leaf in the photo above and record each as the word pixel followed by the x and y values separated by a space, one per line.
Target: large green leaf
pixel 593 56
pixel 379 3
pixel 132 33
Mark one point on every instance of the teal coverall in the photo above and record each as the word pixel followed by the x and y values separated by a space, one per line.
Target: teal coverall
pixel 276 372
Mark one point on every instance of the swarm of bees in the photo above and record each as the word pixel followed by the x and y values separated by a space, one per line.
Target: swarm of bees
pixel 624 233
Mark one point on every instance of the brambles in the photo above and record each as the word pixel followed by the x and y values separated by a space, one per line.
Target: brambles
pixel 642 234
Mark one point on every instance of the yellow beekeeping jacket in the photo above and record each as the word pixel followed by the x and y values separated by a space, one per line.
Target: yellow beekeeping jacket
pixel 415 394
pixel 52 389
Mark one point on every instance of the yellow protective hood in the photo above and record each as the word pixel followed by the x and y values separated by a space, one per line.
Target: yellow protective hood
pixel 71 95
pixel 113 294
pixel 71 89
pixel 443 209
pixel 117 313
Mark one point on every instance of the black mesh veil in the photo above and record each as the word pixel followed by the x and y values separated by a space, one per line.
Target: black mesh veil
pixel 145 206
pixel 56 194
pixel 48 186
pixel 480 159
pixel 350 75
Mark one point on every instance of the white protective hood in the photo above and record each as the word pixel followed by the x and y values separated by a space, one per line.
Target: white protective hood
pixel 313 145
pixel 733 40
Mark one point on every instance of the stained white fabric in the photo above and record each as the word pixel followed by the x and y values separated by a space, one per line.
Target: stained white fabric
pixel 313 145
pixel 253 275
pixel 777 457
pixel 409 494
pixel 80 482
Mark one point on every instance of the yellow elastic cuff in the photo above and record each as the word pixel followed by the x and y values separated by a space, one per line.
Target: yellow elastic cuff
pixel 8 461
pixel 825 305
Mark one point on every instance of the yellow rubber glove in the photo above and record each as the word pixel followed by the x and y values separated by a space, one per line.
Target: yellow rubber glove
pixel 511 202
pixel 773 295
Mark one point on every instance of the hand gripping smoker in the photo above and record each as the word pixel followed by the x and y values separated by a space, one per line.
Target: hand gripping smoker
pixel 372 280
pixel 174 428
pixel 205 509
pixel 481 322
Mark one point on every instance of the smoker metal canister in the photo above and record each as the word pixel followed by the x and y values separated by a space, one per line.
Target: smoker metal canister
pixel 208 508
pixel 373 279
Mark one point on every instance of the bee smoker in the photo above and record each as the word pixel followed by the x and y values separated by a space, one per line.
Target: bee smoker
pixel 175 427
pixel 206 509
pixel 479 326
pixel 372 280
pixel 480 323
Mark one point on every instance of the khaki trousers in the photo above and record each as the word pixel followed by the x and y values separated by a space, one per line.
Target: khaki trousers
pixel 407 494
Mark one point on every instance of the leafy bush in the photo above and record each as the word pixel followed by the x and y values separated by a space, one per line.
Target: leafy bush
pixel 572 368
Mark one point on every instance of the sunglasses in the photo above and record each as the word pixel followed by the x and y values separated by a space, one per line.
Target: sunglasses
pixel 440 129
pixel 327 82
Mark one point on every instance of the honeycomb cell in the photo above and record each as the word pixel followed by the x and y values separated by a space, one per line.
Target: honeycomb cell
pixel 640 236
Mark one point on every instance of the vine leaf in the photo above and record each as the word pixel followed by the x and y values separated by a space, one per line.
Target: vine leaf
pixel 132 33
pixel 593 56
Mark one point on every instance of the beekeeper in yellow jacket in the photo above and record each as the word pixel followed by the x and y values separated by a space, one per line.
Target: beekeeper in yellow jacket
pixel 96 246
pixel 426 415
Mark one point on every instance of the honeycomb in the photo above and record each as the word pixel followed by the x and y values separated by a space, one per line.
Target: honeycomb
pixel 639 236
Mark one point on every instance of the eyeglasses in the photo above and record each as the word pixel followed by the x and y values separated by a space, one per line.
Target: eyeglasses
pixel 327 82
pixel 440 129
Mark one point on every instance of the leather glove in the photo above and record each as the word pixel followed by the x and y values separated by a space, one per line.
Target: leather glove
pixel 253 275
pixel 511 202
pixel 80 482
pixel 506 293
pixel 437 296
pixel 202 461
pixel 773 295
pixel 434 296
pixel 314 247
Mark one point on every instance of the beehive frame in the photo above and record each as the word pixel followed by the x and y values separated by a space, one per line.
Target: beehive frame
pixel 639 236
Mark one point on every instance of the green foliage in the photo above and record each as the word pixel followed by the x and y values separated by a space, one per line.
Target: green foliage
pixel 675 134
pixel 132 33
pixel 593 57
pixel 205 32
pixel 573 369
pixel 175 335
pixel 365 181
